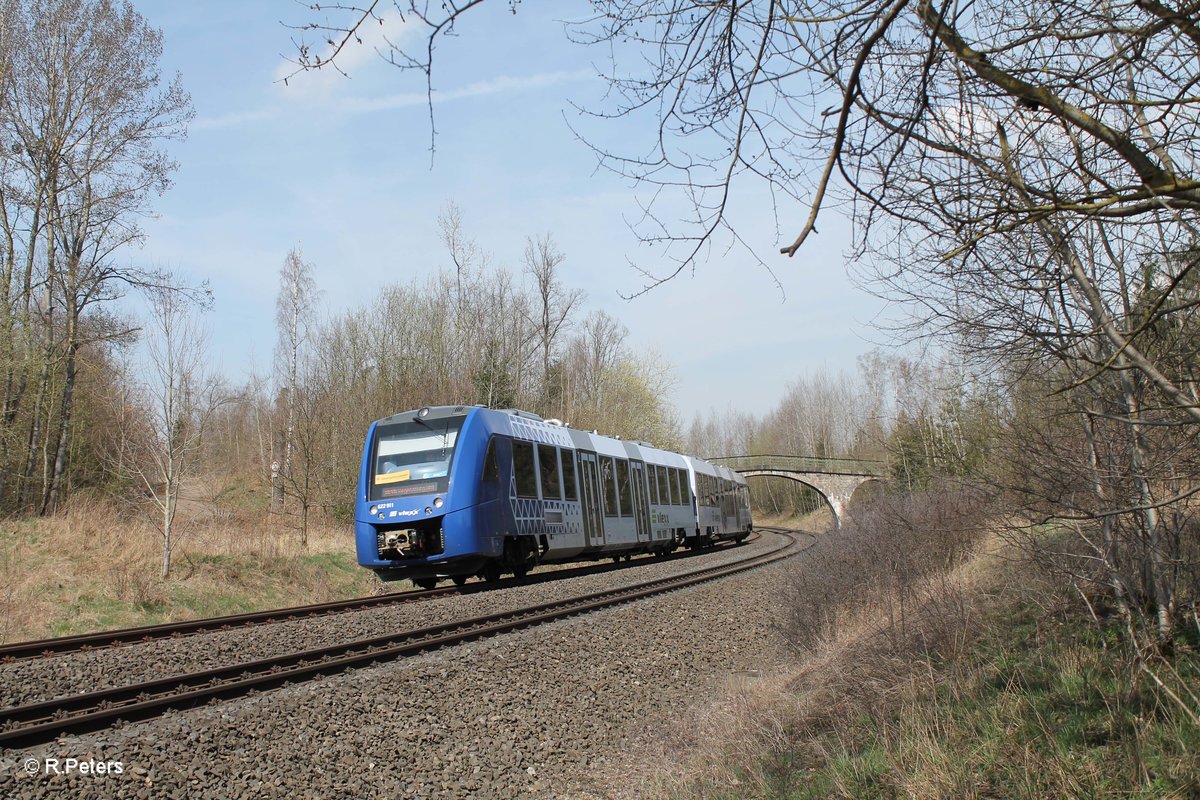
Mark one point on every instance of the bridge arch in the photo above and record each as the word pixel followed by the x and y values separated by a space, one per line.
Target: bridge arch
pixel 835 479
pixel 835 490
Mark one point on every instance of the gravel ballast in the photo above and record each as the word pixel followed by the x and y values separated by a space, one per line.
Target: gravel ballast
pixel 36 680
pixel 526 714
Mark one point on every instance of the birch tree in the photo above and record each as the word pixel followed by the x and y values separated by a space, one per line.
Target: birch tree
pixel 179 397
pixel 293 318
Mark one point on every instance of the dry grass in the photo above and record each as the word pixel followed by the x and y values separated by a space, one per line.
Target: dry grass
pixel 819 521
pixel 984 678
pixel 731 747
pixel 97 566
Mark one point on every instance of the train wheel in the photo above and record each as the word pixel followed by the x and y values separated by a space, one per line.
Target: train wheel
pixel 491 571
pixel 460 580
pixel 520 570
pixel 616 559
pixel 425 583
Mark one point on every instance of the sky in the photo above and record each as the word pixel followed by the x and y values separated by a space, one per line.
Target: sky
pixel 341 167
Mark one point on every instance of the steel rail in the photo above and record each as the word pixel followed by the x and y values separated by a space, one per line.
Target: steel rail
pixel 22 726
pixel 100 640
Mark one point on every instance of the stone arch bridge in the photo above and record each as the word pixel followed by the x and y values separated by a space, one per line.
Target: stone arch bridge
pixel 835 479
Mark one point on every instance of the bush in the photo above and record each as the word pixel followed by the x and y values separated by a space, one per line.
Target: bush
pixel 889 558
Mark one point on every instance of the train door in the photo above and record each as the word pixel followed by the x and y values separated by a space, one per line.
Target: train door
pixel 589 495
pixel 640 508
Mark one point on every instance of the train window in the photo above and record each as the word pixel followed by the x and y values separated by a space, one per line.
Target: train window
pixel 523 469
pixel 626 488
pixel 673 482
pixel 568 467
pixel 609 480
pixel 652 478
pixel 491 469
pixel 413 457
pixel 548 465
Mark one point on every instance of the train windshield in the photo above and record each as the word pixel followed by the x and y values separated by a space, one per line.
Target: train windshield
pixel 413 457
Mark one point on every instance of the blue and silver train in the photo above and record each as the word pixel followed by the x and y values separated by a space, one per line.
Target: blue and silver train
pixel 461 491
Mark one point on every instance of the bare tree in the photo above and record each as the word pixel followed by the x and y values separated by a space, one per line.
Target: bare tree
pixel 464 253
pixel 607 387
pixel 293 318
pixel 178 398
pixel 594 352
pixel 556 304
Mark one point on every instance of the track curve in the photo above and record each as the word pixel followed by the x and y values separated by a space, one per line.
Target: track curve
pixel 42 648
pixel 30 724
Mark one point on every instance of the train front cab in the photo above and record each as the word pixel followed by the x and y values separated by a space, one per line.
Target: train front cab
pixel 418 506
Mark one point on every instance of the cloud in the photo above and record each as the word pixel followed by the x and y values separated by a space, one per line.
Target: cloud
pixel 497 85
pixel 366 105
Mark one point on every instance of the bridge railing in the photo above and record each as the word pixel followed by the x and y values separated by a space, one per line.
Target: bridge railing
pixel 830 466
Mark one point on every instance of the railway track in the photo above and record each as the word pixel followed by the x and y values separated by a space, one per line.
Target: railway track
pixel 42 648
pixel 30 724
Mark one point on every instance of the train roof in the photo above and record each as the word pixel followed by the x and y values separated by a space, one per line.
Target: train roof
pixel 529 426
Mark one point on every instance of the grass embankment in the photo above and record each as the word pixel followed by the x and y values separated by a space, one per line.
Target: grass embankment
pixel 1039 703
pixel 90 568
pixel 819 521
pixel 986 679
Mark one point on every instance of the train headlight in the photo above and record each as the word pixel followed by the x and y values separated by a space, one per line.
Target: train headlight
pixel 438 502
pixel 373 511
pixel 428 510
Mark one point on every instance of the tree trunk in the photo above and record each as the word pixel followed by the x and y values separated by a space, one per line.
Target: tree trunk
pixel 35 430
pixel 1153 567
pixel 277 495
pixel 1109 543
pixel 53 490
pixel 168 509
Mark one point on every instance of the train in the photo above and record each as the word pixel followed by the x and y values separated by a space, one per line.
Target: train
pixel 455 492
